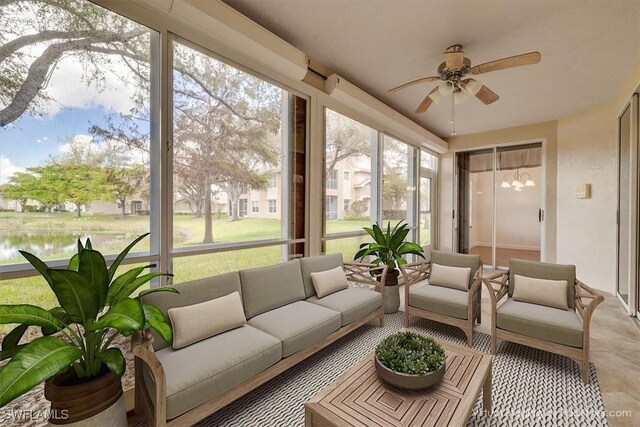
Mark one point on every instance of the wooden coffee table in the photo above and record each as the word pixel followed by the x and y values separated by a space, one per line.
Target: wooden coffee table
pixel 359 398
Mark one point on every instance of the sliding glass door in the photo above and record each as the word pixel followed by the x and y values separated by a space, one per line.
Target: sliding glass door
pixel 627 282
pixel 500 203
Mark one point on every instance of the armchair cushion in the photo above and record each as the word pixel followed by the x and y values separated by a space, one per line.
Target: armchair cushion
pixel 457 260
pixel 352 303
pixel 543 270
pixel 450 277
pixel 552 293
pixel 538 321
pixel 441 300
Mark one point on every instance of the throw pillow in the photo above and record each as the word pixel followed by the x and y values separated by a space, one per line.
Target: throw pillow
pixel 329 281
pixel 552 293
pixel 450 277
pixel 193 323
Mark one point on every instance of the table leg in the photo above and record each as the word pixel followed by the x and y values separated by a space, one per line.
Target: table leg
pixel 486 393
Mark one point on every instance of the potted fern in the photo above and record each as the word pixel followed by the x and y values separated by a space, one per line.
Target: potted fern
pixel 74 355
pixel 389 248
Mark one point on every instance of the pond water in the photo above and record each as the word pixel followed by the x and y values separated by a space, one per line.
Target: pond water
pixel 49 245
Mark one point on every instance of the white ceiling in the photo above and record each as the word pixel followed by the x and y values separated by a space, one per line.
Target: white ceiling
pixel 587 47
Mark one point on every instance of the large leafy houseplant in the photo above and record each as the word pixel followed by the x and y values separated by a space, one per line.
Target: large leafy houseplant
pixel 388 247
pixel 95 307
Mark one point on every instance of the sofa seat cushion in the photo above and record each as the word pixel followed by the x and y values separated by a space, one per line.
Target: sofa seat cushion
pixel 538 321
pixel 438 299
pixel 352 303
pixel 201 371
pixel 297 324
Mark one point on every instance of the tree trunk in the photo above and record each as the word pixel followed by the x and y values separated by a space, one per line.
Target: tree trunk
pixel 23 205
pixel 124 208
pixel 234 208
pixel 199 208
pixel 208 226
pixel 78 206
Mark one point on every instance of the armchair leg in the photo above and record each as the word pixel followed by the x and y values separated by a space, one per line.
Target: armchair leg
pixel 585 371
pixel 382 319
pixel 406 317
pixel 470 337
pixel 479 314
pixel 493 343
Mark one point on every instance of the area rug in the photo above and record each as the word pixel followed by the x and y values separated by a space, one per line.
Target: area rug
pixel 531 387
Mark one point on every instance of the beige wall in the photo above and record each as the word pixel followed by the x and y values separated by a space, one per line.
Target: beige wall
pixel 545 132
pixel 587 150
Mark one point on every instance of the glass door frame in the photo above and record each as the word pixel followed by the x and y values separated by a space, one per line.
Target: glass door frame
pixel 543 196
pixel 632 306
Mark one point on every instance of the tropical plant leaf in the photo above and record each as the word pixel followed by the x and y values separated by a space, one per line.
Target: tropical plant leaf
pixel 29 315
pixel 74 262
pixel 61 315
pixel 87 244
pixel 378 235
pixel 76 296
pixel 80 247
pixel 130 287
pixel 160 289
pixel 36 362
pixel 39 265
pixel 12 339
pixel 127 316
pixel 113 358
pixel 156 320
pixel 94 268
pixel 122 280
pixel 410 248
pixel 123 254
pixel 10 352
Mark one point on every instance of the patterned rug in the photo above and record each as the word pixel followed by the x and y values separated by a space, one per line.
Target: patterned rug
pixel 531 387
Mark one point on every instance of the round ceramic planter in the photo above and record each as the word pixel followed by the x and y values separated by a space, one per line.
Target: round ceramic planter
pixel 406 381
pixel 391 292
pixel 96 402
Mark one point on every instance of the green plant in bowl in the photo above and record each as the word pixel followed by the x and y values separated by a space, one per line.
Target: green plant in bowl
pixel 409 360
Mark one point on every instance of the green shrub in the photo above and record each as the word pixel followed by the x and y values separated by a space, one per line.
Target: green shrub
pixel 410 353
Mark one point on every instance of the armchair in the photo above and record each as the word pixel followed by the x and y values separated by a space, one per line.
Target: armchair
pixel 456 307
pixel 553 329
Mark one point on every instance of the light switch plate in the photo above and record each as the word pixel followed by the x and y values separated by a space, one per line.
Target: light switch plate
pixel 583 191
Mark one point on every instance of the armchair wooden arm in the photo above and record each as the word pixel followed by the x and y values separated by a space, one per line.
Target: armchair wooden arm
pixel 414 273
pixel 156 410
pixel 496 294
pixel 367 274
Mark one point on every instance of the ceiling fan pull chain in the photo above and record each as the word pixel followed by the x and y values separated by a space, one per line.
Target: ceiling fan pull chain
pixel 453 115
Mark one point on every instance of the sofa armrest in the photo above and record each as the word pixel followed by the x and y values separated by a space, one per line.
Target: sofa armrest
pixel 367 274
pixel 156 409
pixel 585 308
pixel 496 293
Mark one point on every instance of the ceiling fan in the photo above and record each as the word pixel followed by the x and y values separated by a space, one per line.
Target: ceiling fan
pixel 452 74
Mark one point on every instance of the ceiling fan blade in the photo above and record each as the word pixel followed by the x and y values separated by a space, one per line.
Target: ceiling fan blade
pixel 426 102
pixel 510 62
pixel 486 95
pixel 414 82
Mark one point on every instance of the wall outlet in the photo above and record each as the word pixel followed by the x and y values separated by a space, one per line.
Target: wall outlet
pixel 583 191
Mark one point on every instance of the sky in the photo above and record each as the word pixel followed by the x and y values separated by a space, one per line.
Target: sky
pixel 31 140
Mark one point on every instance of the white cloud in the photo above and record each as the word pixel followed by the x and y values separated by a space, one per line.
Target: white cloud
pixel 67 89
pixel 7 169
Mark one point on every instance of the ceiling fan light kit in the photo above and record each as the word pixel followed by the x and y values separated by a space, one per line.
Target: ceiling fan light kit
pixel 451 73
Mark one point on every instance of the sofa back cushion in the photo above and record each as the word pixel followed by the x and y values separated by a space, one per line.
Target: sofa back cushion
pixel 552 293
pixel 543 270
pixel 457 260
pixel 193 323
pixel 314 264
pixel 266 288
pixel 450 277
pixel 191 293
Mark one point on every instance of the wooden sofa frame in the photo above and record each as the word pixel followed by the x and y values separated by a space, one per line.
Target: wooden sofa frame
pixel 584 310
pixel 419 272
pixel 155 409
